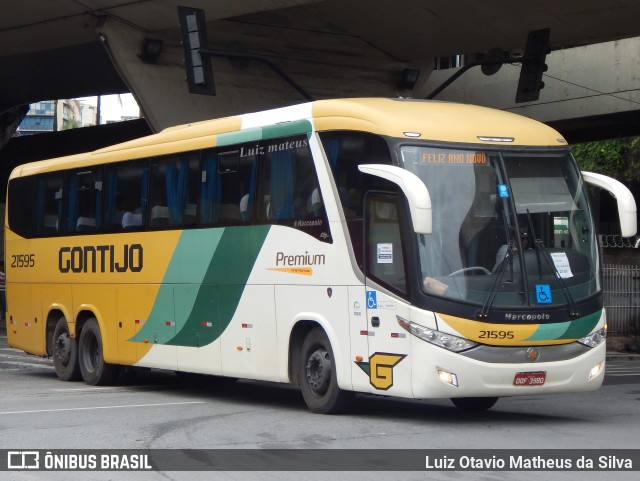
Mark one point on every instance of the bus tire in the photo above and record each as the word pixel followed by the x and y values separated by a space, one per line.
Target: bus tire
pixel 65 352
pixel 474 403
pixel 318 378
pixel 95 371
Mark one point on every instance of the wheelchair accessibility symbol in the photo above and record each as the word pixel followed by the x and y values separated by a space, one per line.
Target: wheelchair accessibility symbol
pixel 543 293
pixel 372 300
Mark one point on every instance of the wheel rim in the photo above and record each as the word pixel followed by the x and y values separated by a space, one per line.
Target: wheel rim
pixel 63 349
pixel 319 371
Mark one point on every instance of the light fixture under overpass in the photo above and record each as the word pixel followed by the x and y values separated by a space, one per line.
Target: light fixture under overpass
pixel 198 57
pixel 194 39
pixel 533 67
pixel 150 51
pixel 408 78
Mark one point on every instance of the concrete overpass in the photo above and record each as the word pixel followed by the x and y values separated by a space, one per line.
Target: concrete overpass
pixel 332 48
pixel 591 92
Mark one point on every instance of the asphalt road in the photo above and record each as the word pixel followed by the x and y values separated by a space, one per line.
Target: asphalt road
pixel 157 410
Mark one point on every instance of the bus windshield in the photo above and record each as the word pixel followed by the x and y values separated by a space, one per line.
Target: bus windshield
pixel 510 229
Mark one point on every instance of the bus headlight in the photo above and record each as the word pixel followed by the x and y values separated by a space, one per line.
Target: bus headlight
pixel 595 338
pixel 437 338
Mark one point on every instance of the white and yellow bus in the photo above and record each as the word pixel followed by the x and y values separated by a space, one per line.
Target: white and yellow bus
pixel 406 248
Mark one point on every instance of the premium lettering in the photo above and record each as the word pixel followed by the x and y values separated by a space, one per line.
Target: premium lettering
pixel 305 259
pixel 103 258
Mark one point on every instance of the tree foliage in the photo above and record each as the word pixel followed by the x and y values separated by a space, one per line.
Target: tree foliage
pixel 617 158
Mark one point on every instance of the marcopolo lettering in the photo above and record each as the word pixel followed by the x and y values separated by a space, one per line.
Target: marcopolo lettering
pixel 526 317
pixel 104 258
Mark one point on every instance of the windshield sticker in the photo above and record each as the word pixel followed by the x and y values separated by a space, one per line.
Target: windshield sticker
pixel 543 293
pixel 561 261
pixel 503 190
pixel 385 253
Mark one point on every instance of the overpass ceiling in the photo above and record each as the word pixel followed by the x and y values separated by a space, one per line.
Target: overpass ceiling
pixel 36 34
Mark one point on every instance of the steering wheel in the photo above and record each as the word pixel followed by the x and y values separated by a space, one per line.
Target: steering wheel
pixel 470 269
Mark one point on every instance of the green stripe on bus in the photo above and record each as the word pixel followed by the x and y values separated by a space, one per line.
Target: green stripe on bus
pixel 575 329
pixel 185 273
pixel 239 137
pixel 254 134
pixel 286 129
pixel 223 285
pixel 583 326
pixel 223 260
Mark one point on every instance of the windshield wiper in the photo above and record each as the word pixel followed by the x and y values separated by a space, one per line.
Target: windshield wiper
pixel 507 260
pixel 543 253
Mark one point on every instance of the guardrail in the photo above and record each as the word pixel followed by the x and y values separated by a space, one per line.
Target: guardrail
pixel 613 241
pixel 622 299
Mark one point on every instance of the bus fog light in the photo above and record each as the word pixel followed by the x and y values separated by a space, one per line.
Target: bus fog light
pixel 596 370
pixel 448 377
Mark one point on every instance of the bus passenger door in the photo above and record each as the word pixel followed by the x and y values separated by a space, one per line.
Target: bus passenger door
pixel 389 370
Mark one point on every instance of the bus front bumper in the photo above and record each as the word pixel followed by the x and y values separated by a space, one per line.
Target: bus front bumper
pixel 438 373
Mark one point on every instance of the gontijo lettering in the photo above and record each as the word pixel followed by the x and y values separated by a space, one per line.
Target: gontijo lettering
pixel 101 258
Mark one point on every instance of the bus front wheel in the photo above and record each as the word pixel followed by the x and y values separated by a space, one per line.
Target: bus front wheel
pixel 318 375
pixel 65 352
pixel 474 403
pixel 95 371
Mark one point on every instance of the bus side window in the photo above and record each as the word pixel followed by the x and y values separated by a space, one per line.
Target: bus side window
pixel 385 254
pixel 289 191
pixel 49 204
pixel 345 150
pixel 127 196
pixel 84 201
pixel 173 191
pixel 21 214
pixel 228 184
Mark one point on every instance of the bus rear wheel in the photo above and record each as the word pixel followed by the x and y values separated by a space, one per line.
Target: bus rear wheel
pixel 95 371
pixel 65 352
pixel 318 378
pixel 474 403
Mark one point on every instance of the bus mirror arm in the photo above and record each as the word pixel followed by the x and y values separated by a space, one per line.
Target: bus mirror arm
pixel 626 203
pixel 414 190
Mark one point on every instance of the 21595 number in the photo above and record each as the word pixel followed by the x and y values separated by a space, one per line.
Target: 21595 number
pixel 23 260
pixel 496 335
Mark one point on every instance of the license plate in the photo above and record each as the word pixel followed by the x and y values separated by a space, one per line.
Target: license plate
pixel 530 378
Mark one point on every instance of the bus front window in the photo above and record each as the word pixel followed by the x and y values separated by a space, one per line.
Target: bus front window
pixel 513 229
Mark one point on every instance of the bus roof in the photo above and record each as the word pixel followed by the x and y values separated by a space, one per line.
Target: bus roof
pixel 401 118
